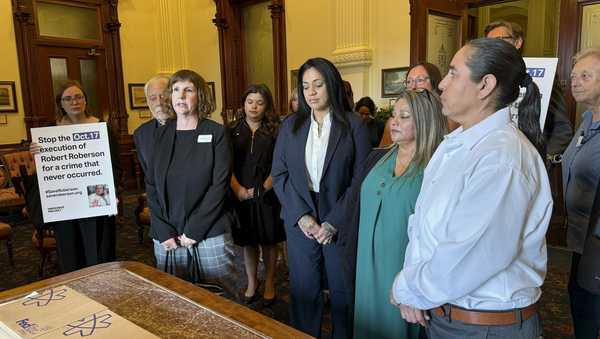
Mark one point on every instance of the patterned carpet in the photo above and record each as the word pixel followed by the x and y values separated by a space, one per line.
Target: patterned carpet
pixel 554 302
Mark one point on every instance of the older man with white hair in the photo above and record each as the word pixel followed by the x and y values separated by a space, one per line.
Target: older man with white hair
pixel 143 136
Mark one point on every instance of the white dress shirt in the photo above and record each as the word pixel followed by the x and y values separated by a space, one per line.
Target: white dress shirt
pixel 316 148
pixel 98 200
pixel 477 237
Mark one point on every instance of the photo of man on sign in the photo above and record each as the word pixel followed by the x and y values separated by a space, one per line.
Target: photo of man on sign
pixel 98 195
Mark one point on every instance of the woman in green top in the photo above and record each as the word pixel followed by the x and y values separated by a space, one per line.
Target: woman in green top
pixel 387 198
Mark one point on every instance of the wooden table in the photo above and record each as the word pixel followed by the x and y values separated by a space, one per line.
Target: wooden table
pixel 163 304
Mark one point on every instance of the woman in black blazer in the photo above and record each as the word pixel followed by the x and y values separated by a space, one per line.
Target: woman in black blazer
pixel 318 151
pixel 188 178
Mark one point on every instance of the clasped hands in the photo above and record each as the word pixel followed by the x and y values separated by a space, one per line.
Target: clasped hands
pixel 244 193
pixel 174 243
pixel 323 233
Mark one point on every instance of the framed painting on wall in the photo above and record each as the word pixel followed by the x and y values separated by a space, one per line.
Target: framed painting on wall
pixel 137 97
pixel 211 88
pixel 443 39
pixel 393 81
pixel 8 97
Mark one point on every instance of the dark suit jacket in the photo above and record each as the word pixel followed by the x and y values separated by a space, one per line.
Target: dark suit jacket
pixel 345 153
pixel 348 209
pixel 206 214
pixel 557 128
pixel 588 271
pixel 143 137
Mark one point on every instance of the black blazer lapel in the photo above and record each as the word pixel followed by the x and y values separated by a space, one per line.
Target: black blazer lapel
pixel 163 160
pixel 298 157
pixel 334 138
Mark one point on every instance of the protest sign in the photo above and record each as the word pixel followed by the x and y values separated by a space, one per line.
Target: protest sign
pixel 542 71
pixel 74 171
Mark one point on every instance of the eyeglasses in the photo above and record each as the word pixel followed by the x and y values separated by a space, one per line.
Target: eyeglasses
pixel 77 97
pixel 416 81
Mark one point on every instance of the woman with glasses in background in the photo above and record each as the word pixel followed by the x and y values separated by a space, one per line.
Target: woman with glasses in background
pixel 422 75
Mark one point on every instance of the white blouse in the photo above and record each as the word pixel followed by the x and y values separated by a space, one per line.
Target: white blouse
pixel 316 148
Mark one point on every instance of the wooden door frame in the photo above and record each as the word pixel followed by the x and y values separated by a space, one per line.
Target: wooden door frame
pixel 568 35
pixel 419 10
pixel 233 67
pixel 567 46
pixel 27 40
pixel 569 41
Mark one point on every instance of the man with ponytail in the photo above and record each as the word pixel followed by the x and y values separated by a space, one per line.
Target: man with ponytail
pixel 476 257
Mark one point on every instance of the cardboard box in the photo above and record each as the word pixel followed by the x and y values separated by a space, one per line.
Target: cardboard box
pixel 61 311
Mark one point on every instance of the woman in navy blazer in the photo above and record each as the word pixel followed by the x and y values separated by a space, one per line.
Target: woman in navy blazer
pixel 188 177
pixel 318 151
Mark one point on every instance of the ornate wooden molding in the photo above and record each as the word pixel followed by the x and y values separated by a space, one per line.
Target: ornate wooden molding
pixel 233 75
pixel 277 9
pixel 360 56
pixel 112 26
pixel 220 22
pixel 24 37
pixel 27 52
pixel 231 53
pixel 419 9
pixel 22 12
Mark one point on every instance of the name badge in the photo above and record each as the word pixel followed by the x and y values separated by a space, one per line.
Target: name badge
pixel 204 138
pixel 579 141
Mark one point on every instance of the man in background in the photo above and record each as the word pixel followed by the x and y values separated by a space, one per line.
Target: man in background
pixel 143 136
pixel 557 128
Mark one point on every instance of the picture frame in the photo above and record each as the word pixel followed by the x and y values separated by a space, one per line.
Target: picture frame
pixel 393 81
pixel 144 114
pixel 8 97
pixel 211 88
pixel 444 34
pixel 137 97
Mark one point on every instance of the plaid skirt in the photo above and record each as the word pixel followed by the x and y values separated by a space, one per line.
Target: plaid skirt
pixel 209 261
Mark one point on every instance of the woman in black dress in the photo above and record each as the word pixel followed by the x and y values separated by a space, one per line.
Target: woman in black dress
pixel 253 139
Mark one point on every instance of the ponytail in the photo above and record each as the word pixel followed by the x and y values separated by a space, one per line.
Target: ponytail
pixel 529 115
pixel 502 60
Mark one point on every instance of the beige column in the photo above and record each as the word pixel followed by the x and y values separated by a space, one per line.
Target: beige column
pixel 173 51
pixel 353 53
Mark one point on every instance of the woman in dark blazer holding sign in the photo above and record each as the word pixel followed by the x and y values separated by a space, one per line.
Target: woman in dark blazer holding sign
pixel 318 151
pixel 187 182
